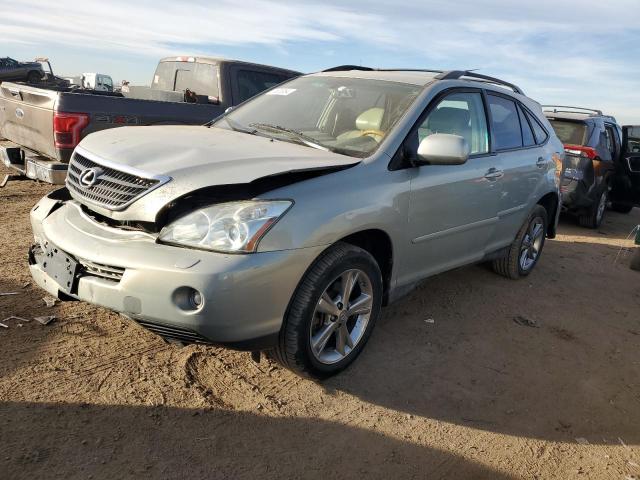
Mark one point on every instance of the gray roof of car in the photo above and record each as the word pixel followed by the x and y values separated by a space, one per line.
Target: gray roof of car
pixel 400 76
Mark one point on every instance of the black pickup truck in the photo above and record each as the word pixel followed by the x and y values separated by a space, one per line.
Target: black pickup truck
pixel 41 125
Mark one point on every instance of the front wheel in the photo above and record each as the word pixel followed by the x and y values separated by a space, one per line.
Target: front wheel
pixel 525 250
pixel 332 313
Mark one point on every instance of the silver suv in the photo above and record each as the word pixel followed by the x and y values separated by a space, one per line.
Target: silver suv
pixel 288 222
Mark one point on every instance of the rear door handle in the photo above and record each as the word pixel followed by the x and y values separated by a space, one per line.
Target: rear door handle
pixel 541 162
pixel 494 174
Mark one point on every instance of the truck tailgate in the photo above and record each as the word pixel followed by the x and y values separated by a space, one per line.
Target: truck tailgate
pixel 26 116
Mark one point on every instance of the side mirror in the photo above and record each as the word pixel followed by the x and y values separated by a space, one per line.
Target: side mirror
pixel 443 149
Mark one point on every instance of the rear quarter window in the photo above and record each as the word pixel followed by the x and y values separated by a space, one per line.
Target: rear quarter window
pixel 570 132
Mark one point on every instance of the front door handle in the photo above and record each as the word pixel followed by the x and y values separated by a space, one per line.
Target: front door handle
pixel 541 162
pixel 494 174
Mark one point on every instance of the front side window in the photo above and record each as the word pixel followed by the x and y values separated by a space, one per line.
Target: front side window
pixel 342 114
pixel 460 114
pixel 505 123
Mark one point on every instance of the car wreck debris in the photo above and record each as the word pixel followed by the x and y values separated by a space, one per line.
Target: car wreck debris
pixel 45 320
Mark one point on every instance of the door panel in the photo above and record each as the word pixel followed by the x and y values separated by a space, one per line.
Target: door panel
pixel 453 208
pixel 452 214
pixel 627 186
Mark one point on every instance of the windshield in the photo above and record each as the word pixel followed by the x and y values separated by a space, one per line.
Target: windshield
pixel 570 133
pixel 345 115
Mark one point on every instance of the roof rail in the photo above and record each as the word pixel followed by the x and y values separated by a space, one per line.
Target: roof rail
pixel 457 74
pixel 581 109
pixel 343 68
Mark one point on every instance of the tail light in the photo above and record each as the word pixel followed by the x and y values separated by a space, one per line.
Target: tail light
pixel 579 150
pixel 67 128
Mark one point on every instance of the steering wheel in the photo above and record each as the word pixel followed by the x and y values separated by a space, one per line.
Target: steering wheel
pixel 372 132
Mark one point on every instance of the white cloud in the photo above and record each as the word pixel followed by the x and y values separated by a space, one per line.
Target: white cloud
pixel 554 48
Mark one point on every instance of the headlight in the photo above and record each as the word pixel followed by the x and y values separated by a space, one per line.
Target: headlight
pixel 573 174
pixel 226 227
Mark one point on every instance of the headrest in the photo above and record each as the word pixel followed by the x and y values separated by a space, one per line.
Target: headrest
pixel 449 120
pixel 370 119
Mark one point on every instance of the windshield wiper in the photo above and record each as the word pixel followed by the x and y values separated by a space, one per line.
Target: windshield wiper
pixel 294 134
pixel 236 127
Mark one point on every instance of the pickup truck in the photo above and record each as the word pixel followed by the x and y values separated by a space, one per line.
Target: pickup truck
pixel 41 125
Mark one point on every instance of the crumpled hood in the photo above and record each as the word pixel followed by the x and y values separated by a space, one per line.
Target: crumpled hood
pixel 196 157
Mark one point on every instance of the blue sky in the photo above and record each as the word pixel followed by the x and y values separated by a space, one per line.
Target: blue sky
pixel 576 52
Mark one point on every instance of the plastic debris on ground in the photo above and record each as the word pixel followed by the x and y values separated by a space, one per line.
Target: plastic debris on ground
pixel 45 320
pixel 429 320
pixel 525 322
pixel 49 301
pixel 5 294
pixel 582 441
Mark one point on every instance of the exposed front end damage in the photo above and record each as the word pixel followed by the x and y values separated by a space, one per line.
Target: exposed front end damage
pixel 181 294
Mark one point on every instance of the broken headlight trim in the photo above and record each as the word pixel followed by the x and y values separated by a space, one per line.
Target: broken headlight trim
pixel 233 227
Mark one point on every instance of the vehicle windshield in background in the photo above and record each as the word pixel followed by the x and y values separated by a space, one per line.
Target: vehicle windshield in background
pixel 345 115
pixel 570 133
pixel 201 78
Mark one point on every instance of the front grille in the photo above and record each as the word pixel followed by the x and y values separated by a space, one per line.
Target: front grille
pixel 103 271
pixel 114 189
pixel 173 333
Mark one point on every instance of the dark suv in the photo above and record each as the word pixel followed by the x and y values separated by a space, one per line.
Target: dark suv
pixel 13 70
pixel 595 163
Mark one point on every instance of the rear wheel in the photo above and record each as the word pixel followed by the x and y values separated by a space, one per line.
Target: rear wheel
pixel 34 77
pixel 332 313
pixel 526 248
pixel 621 207
pixel 593 217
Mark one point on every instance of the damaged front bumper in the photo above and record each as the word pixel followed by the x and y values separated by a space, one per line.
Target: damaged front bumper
pixel 242 298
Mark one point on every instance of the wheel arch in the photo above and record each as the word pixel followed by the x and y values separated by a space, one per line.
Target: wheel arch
pixel 378 243
pixel 550 202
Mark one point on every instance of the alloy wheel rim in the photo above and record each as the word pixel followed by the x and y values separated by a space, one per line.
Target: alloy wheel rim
pixel 531 244
pixel 341 316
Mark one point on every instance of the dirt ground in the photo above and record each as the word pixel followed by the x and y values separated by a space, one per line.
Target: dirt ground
pixel 471 395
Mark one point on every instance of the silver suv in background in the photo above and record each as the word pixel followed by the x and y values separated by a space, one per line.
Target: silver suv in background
pixel 290 221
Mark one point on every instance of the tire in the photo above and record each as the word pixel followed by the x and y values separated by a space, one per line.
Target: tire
pixel 34 77
pixel 306 319
pixel 621 207
pixel 593 217
pixel 513 265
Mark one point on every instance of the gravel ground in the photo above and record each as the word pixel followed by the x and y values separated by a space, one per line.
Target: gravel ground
pixel 472 394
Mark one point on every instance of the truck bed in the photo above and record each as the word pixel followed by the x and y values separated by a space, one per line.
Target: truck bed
pixel 27 114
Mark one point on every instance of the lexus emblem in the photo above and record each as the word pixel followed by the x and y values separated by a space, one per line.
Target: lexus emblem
pixel 19 113
pixel 90 176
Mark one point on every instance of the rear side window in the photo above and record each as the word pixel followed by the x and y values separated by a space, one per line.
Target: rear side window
pixel 250 83
pixel 505 123
pixel 527 134
pixel 570 132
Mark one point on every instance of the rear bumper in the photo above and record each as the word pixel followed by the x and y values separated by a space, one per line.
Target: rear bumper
pixel 245 297
pixel 32 165
pixel 575 195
